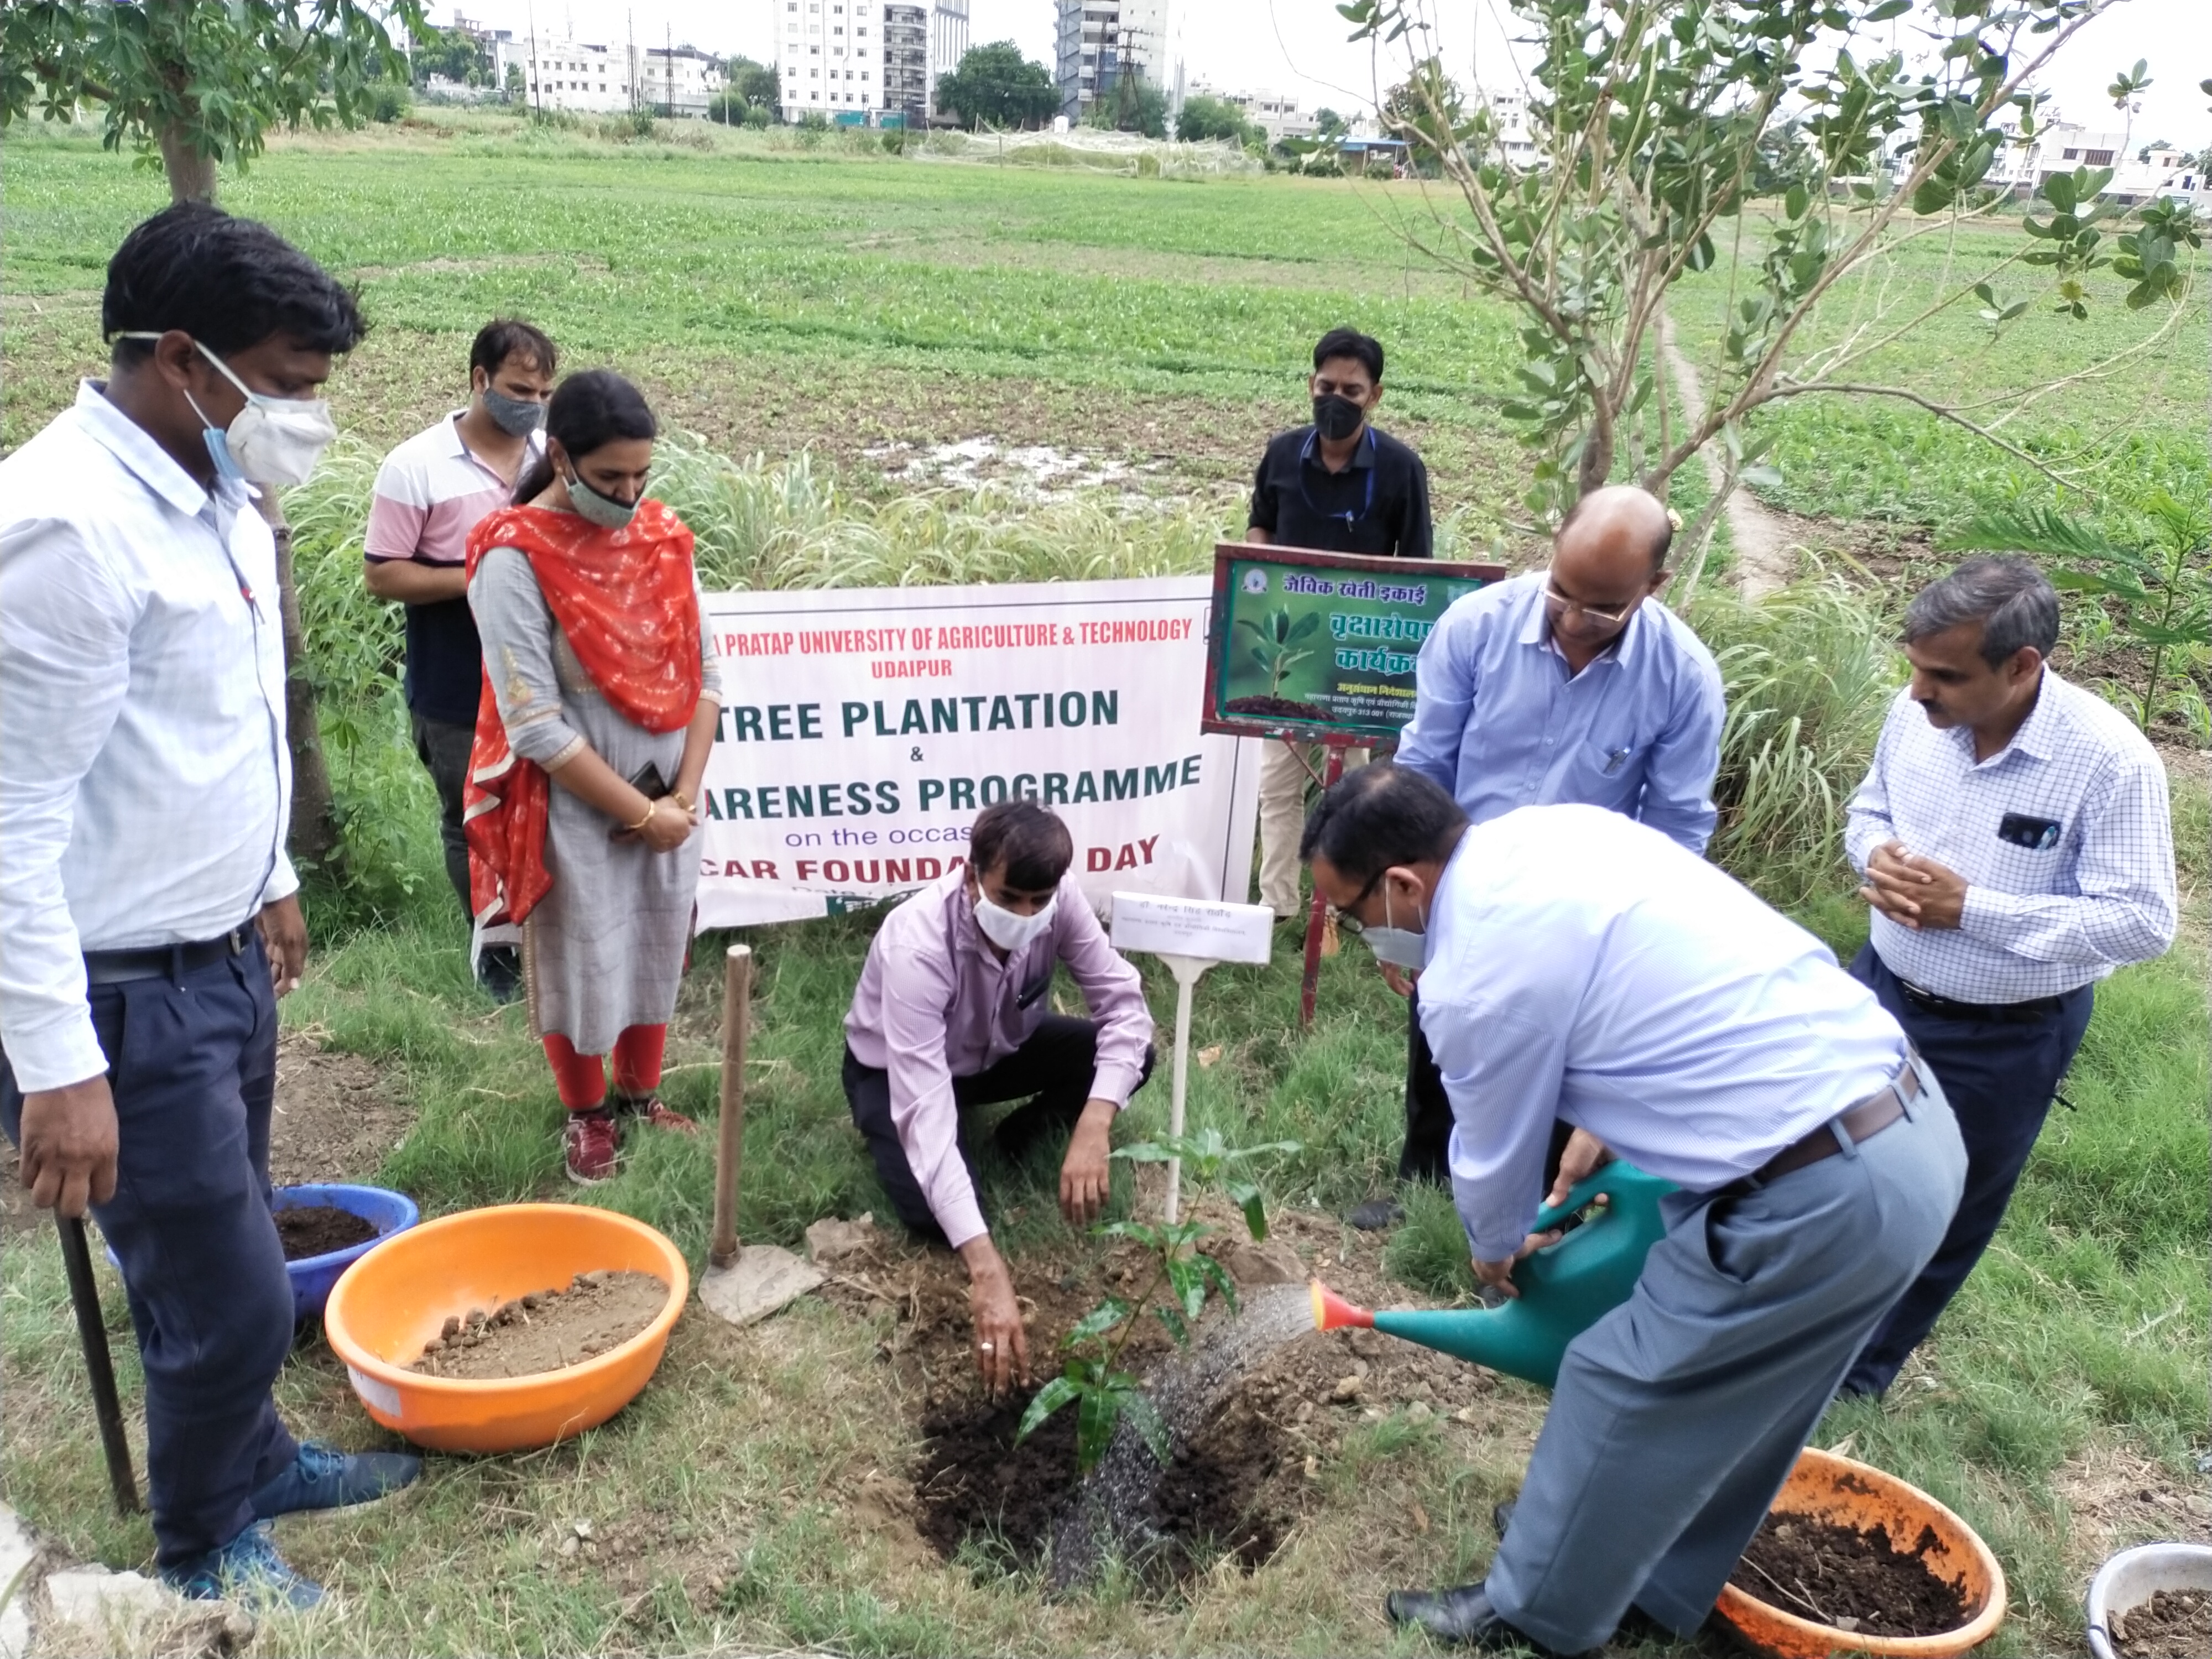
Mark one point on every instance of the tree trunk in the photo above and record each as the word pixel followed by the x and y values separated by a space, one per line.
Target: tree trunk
pixel 314 832
pixel 313 835
pixel 191 175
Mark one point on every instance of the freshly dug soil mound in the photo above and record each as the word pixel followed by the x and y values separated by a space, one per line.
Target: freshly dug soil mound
pixel 1851 1580
pixel 976 1485
pixel 546 1329
pixel 319 1229
pixel 1279 708
pixel 2171 1624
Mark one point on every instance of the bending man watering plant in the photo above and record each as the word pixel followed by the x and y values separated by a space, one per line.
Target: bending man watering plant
pixel 1579 968
pixel 953 1012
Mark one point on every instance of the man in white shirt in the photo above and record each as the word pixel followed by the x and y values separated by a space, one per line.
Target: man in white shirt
pixel 150 915
pixel 1577 966
pixel 2015 836
pixel 430 492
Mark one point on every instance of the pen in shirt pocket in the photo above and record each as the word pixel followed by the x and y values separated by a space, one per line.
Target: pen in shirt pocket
pixel 1615 760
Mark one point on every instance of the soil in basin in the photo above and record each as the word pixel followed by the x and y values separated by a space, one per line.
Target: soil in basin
pixel 545 1330
pixel 1850 1580
pixel 318 1228
pixel 2171 1624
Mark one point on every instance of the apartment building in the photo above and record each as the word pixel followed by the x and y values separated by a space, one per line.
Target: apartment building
pixel 1100 40
pixel 588 78
pixel 854 61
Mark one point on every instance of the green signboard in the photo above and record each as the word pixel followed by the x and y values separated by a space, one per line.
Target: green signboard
pixel 1323 645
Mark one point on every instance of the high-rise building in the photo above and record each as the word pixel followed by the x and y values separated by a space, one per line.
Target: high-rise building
pixel 1102 40
pixel 854 61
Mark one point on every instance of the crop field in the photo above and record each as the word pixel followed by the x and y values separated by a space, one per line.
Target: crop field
pixel 823 328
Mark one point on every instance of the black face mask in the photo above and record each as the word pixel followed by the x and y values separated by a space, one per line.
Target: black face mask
pixel 1337 418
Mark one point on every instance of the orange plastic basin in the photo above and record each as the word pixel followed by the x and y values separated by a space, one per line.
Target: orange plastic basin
pixel 398 1296
pixel 1854 1494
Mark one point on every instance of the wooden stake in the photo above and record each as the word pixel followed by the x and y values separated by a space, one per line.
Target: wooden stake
pixel 730 1145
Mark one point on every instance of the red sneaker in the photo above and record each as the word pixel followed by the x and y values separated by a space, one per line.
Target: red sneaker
pixel 593 1142
pixel 650 1112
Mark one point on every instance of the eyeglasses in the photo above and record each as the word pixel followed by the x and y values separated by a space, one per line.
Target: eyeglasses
pixel 1345 921
pixel 1553 597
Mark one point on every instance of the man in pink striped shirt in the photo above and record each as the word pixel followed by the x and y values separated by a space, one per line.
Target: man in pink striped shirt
pixel 953 1012
pixel 430 493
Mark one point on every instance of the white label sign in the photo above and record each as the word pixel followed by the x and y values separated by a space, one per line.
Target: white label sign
pixel 1200 928
pixel 862 729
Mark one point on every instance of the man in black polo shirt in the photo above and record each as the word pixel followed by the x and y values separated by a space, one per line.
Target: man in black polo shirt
pixel 1337 486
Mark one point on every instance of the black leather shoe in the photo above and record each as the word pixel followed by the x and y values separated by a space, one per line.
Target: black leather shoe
pixel 1377 1214
pixel 1461 1617
pixel 1501 1516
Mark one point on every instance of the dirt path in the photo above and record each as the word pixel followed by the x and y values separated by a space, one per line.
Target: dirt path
pixel 1764 560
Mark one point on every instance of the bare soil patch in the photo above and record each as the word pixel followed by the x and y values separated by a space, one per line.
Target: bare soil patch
pixel 546 1329
pixel 2171 1624
pixel 1849 1579
pixel 307 1230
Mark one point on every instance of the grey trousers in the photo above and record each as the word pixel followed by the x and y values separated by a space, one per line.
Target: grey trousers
pixel 1678 1415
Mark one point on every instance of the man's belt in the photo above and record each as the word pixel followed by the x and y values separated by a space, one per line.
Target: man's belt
pixel 1861 1122
pixel 2007 1013
pixel 162 961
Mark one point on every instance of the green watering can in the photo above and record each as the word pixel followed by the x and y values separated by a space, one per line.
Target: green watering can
pixel 1565 1288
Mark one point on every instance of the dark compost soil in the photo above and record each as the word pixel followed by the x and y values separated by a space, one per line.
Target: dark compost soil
pixel 546 1329
pixel 2171 1624
pixel 976 1485
pixel 1851 1580
pixel 308 1230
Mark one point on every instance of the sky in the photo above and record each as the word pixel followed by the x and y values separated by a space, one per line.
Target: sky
pixel 1298 46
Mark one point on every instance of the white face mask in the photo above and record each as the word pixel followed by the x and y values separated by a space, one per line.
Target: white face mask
pixel 1007 930
pixel 1400 947
pixel 272 440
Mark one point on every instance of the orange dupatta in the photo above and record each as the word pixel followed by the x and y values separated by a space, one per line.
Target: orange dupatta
pixel 625 599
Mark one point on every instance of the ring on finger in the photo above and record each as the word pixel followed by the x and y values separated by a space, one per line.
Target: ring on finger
pixel 988 1347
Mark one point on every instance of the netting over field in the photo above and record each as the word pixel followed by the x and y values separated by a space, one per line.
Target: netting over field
pixel 1086 147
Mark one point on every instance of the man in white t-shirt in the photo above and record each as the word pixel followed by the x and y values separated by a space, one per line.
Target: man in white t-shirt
pixel 430 493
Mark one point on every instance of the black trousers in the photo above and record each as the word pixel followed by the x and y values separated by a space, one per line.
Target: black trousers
pixel 443 748
pixel 1053 1071
pixel 193 1064
pixel 2001 1076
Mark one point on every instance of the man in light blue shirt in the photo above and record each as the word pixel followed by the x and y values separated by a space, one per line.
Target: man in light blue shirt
pixel 1570 685
pixel 1580 968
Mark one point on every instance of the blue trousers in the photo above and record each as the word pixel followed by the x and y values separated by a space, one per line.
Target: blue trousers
pixel 1678 1415
pixel 192 1066
pixel 2000 1077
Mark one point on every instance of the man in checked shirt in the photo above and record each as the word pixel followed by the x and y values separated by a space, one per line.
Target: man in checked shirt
pixel 2016 849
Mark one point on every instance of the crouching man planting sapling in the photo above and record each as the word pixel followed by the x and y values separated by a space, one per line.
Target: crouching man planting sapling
pixel 952 1012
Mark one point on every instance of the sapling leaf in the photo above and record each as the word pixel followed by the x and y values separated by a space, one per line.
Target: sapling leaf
pixel 1222 1281
pixel 1145 1418
pixel 1099 1320
pixel 1246 1197
pixel 1046 1401
pixel 1144 1152
pixel 1094 1424
pixel 1177 1326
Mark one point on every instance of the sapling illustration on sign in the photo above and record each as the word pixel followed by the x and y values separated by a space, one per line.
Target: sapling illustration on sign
pixel 1093 1380
pixel 1276 632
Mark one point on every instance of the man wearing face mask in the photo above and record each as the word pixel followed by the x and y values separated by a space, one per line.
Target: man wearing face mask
pixel 953 1012
pixel 1337 486
pixel 151 918
pixel 1572 683
pixel 1581 968
pixel 430 492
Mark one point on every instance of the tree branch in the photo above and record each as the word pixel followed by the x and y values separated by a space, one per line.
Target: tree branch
pixel 53 73
pixel 1942 411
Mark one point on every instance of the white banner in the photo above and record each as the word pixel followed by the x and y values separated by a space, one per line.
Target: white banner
pixel 862 730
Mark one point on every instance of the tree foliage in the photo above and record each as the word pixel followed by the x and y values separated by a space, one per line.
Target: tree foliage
pixel 1671 135
pixel 1131 104
pixel 201 82
pixel 996 86
pixel 449 52
pixel 1205 116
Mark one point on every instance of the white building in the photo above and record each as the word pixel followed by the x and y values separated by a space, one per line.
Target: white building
pixel 853 61
pixel 1276 114
pixel 588 78
pixel 1101 40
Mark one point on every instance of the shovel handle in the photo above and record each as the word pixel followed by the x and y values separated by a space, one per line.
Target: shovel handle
pixel 99 1363
pixel 730 1133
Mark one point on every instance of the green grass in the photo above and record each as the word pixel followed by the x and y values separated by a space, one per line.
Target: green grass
pixel 793 307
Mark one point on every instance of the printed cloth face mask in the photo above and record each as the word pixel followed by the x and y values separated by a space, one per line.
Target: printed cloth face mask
pixel 604 511
pixel 1007 930
pixel 272 440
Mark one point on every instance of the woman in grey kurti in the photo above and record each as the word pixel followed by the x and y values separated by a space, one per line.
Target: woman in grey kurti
pixel 580 597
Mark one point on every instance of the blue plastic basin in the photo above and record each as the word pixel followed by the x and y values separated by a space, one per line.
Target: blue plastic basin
pixel 313 1276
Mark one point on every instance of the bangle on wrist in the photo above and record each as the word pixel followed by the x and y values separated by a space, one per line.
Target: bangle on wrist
pixel 681 799
pixel 651 807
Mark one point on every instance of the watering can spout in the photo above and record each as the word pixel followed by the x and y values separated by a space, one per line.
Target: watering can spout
pixel 1564 1288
